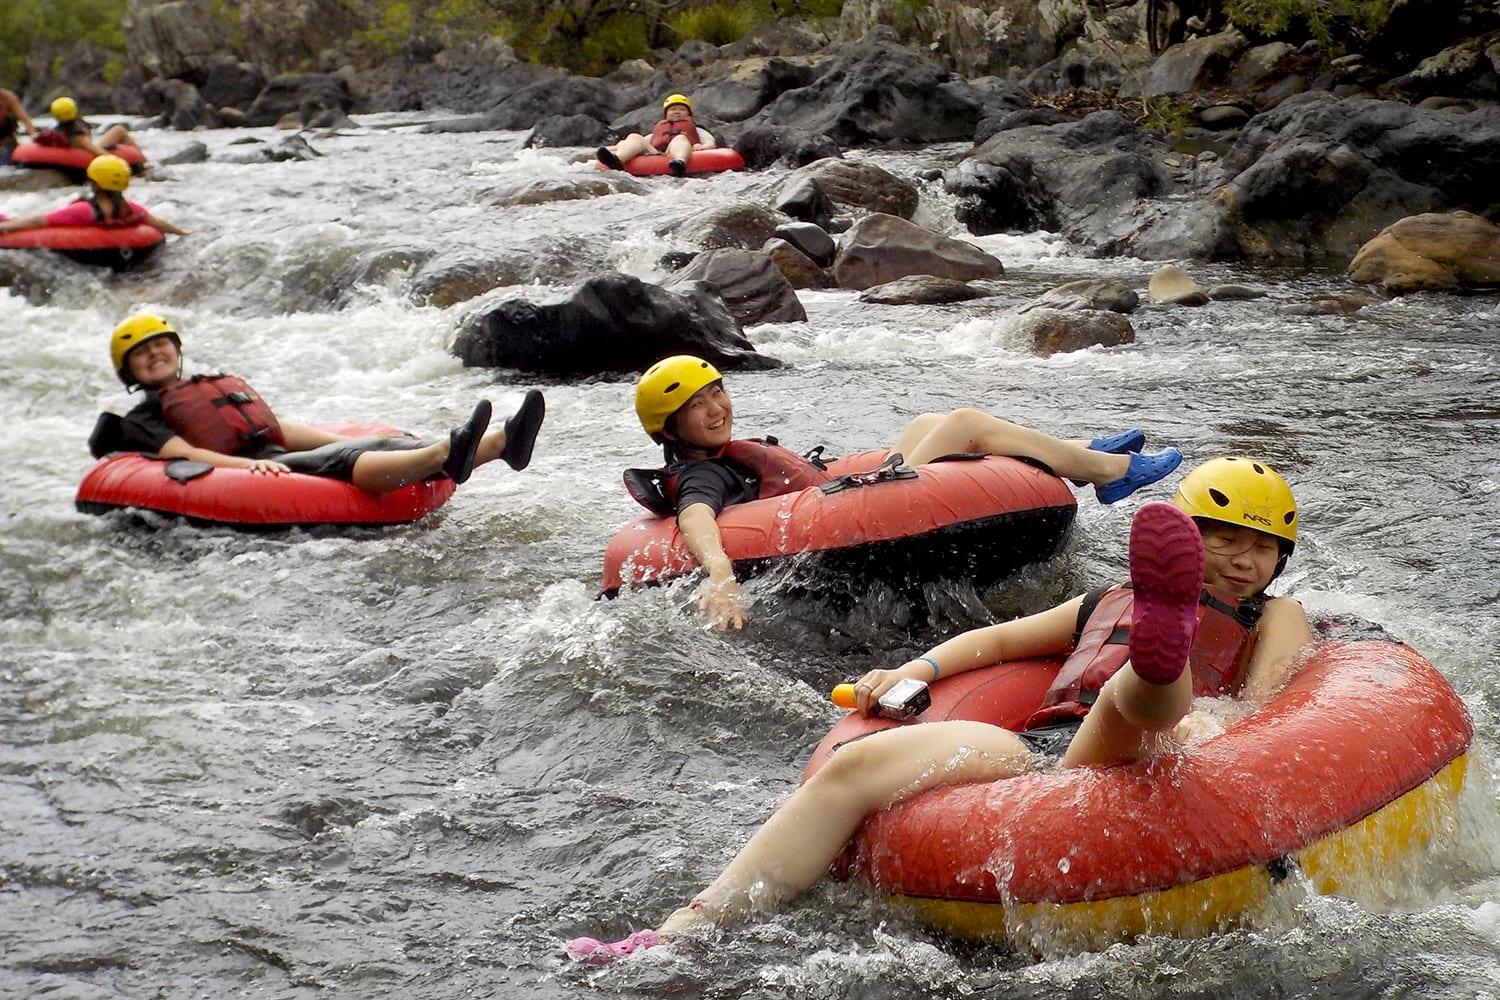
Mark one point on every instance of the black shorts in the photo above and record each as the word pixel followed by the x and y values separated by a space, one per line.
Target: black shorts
pixel 1052 739
pixel 336 460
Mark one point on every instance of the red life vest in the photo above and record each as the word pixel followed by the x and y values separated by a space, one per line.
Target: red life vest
pixel 779 469
pixel 52 138
pixel 130 218
pixel 665 130
pixel 220 413
pixel 1221 650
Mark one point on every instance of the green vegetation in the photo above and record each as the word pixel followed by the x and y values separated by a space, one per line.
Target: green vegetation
pixel 1327 21
pixel 51 22
pixel 718 24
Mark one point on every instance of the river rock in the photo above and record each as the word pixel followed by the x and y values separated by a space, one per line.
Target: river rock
pixel 749 282
pixel 1055 332
pixel 800 270
pixel 1317 176
pixel 811 240
pixel 1087 293
pixel 765 145
pixel 1235 293
pixel 922 289
pixel 571 95
pixel 803 198
pixel 744 226
pixel 1431 252
pixel 289 149
pixel 1171 285
pixel 882 248
pixel 750 86
pixel 568 130
pixel 860 185
pixel 233 84
pixel 879 90
pixel 291 93
pixel 545 190
pixel 1199 64
pixel 610 323
pixel 193 152
pixel 1085 179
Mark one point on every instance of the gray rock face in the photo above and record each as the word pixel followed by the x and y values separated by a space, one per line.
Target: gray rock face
pixel 750 284
pixel 882 248
pixel 610 323
pixel 878 90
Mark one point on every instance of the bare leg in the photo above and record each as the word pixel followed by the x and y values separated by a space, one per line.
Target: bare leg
pixel 384 471
pixel 631 146
pixel 1129 720
pixel 933 435
pixel 113 136
pixel 680 148
pixel 794 848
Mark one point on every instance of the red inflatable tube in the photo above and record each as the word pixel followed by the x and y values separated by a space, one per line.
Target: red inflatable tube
pixel 1352 768
pixel 981 518
pixel 32 154
pixel 240 498
pixel 705 161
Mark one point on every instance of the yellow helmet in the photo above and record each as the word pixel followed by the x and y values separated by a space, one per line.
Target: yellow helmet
pixel 667 385
pixel 1242 492
pixel 110 172
pixel 64 109
pixel 132 333
pixel 677 99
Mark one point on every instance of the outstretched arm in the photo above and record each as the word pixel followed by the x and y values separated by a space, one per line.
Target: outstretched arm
pixel 721 594
pixel 30 222
pixel 165 226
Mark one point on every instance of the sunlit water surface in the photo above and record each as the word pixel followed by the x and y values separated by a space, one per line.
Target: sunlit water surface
pixel 413 761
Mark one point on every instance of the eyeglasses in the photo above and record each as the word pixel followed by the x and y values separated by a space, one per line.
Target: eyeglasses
pixel 1226 540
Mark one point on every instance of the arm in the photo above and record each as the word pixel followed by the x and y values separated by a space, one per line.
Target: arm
pixel 721 595
pixel 166 226
pixel 1279 642
pixel 86 141
pixel 19 111
pixel 706 139
pixel 31 222
pixel 1047 633
pixel 177 447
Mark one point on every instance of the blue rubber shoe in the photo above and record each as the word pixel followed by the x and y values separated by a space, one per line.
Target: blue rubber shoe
pixel 1145 469
pixel 1122 443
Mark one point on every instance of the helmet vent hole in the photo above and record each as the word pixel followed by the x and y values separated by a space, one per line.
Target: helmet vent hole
pixel 1289 517
pixel 671 388
pixel 1217 497
pixel 1256 466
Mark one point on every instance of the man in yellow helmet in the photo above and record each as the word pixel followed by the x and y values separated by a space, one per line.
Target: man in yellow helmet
pixel 106 204
pixel 675 136
pixel 220 420
pixel 72 132
pixel 683 405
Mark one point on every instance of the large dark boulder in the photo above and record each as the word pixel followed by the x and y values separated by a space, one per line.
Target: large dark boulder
pixel 750 86
pixel 764 145
pixel 856 184
pixel 610 323
pixel 573 95
pixel 295 92
pixel 882 248
pixel 233 84
pixel 1318 176
pixel 749 282
pixel 878 90
pixel 1083 178
pixel 180 103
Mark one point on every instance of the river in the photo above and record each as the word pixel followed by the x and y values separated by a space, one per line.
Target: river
pixel 414 761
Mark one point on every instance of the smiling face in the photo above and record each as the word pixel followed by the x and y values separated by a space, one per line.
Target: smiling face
pixel 705 421
pixel 1239 560
pixel 677 112
pixel 154 363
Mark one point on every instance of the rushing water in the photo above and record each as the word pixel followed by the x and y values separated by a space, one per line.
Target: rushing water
pixel 413 761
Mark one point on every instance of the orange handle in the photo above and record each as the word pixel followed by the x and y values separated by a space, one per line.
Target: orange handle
pixel 843 696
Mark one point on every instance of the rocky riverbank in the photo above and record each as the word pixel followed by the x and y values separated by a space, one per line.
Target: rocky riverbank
pixel 1221 147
